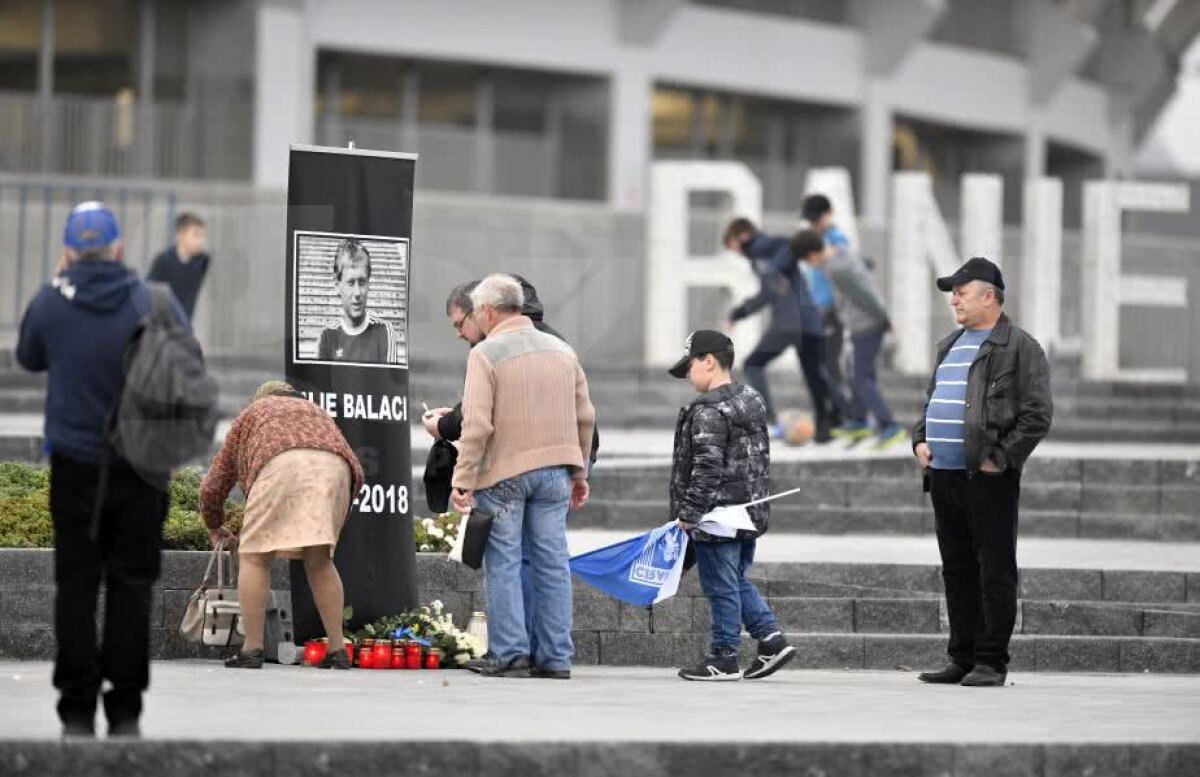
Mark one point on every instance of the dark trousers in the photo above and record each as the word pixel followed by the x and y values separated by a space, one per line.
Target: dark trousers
pixel 811 351
pixel 868 399
pixel 127 555
pixel 835 343
pixel 976 518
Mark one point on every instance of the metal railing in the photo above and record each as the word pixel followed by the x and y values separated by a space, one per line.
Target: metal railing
pixel 96 136
pixel 587 260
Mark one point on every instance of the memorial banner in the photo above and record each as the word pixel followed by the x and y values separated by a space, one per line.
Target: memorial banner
pixel 349 238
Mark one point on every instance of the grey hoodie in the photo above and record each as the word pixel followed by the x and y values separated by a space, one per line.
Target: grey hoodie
pixel 859 302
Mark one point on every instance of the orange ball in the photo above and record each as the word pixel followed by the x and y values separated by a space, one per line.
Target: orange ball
pixel 798 427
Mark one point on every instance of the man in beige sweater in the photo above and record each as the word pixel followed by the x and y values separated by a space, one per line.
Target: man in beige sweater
pixel 527 433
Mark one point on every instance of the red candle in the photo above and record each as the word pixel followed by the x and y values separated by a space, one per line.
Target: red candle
pixel 433 659
pixel 312 653
pixel 366 658
pixel 398 657
pixel 383 655
pixel 414 656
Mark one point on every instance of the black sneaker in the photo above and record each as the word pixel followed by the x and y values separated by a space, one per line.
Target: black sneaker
pixel 240 660
pixel 984 676
pixel 477 665
pixel 773 653
pixel 517 667
pixel 550 674
pixel 714 669
pixel 952 674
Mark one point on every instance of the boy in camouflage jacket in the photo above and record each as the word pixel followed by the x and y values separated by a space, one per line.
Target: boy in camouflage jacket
pixel 722 457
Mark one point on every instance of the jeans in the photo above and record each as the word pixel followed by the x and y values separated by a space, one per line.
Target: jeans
pixel 127 555
pixel 867 398
pixel 734 600
pixel 811 350
pixel 530 512
pixel 976 520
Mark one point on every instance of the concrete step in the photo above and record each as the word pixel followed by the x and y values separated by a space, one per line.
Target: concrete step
pixel 927 616
pixel 903 652
pixel 1042 584
pixel 898 615
pixel 304 743
pixel 907 520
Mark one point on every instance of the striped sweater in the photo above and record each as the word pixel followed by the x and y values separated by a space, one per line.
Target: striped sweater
pixel 525 407
pixel 946 413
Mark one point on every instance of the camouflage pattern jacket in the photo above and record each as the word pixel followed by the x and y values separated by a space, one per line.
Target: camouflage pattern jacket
pixel 722 457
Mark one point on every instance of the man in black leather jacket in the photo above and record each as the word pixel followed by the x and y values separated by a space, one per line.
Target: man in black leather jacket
pixel 988 407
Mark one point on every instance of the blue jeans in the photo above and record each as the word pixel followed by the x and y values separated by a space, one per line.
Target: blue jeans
pixel 734 600
pixel 530 517
pixel 868 399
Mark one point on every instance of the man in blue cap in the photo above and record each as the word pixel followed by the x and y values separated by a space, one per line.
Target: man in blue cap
pixel 77 329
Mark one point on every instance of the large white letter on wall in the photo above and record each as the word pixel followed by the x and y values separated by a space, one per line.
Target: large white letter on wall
pixel 672 271
pixel 983 217
pixel 1041 260
pixel 1106 288
pixel 921 249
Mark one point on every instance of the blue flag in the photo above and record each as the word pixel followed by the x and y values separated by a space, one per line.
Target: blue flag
pixel 643 570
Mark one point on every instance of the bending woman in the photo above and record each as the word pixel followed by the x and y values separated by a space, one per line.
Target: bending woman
pixel 298 475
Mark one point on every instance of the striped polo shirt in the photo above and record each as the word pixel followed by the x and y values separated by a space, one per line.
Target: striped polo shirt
pixel 947 409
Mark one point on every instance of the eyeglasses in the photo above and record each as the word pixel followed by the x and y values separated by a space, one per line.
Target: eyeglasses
pixel 460 323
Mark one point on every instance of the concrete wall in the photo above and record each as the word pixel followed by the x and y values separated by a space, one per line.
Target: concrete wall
pixel 793 59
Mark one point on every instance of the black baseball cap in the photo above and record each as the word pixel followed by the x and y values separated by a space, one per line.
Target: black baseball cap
pixel 976 269
pixel 700 343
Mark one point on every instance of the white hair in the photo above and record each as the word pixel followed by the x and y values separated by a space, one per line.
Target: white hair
pixel 502 292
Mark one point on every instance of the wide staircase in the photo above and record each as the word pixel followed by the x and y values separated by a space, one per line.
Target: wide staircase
pixel 1091 610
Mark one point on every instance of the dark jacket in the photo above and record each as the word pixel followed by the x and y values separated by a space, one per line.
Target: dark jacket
pixel 781 285
pixel 184 278
pixel 1009 407
pixel 77 328
pixel 722 457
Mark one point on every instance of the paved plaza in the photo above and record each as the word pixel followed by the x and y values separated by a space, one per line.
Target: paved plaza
pixel 201 699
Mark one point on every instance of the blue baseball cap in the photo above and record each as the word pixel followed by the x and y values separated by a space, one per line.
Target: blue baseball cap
pixel 91 225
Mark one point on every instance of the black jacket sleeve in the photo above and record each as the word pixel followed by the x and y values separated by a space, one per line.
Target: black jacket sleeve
pixel 450 425
pixel 710 434
pixel 1035 408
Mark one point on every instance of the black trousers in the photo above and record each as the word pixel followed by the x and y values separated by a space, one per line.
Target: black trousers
pixel 835 345
pixel 828 404
pixel 128 556
pixel 976 518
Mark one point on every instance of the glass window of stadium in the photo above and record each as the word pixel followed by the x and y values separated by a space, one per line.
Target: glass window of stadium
pixel 20 41
pixel 778 140
pixel 478 128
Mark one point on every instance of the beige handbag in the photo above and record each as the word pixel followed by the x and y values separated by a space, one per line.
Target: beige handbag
pixel 213 615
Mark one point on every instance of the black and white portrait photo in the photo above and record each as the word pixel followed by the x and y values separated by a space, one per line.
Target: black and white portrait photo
pixel 351 299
